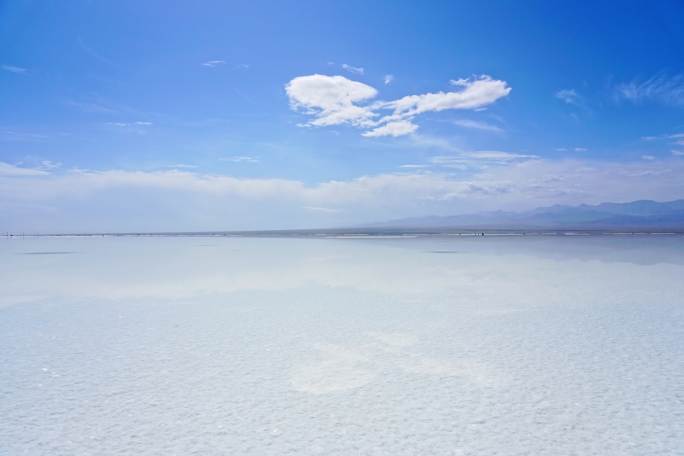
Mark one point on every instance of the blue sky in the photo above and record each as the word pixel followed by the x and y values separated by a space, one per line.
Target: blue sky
pixel 221 115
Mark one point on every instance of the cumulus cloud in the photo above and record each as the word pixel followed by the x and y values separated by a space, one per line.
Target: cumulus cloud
pixel 331 100
pixel 660 89
pixel 335 100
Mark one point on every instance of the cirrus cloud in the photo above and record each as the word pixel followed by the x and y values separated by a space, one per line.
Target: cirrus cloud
pixel 660 88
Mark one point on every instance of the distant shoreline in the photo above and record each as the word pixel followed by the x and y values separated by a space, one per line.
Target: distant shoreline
pixel 372 233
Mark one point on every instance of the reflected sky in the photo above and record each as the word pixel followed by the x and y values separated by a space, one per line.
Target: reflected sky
pixel 262 346
pixel 185 267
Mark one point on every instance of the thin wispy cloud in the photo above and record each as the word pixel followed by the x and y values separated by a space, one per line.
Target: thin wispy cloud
pixel 14 69
pixel 12 135
pixel 508 181
pixel 241 159
pixel 352 69
pixel 398 128
pixel 661 88
pixel 91 107
pixel 336 100
pixel 478 125
pixel 9 170
pixel 180 166
pixel 570 149
pixel 139 127
pixel 671 139
pixel 569 96
pixel 675 136
pixel 324 210
pixel 47 165
pixel 414 166
pixel 139 123
pixel 213 63
pixel 479 159
pixel 388 79
pixel 95 55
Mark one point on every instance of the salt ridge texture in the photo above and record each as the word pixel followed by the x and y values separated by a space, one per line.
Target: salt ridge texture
pixel 229 346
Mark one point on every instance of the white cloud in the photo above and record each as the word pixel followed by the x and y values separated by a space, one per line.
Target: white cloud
pixel 48 165
pixel 325 210
pixel 21 136
pixel 498 155
pixel 660 88
pixel 213 63
pixel 674 139
pixel 388 79
pixel 8 170
pixel 434 142
pixel 478 160
pixel 138 123
pixel 568 96
pixel 92 107
pixel 180 166
pixel 334 100
pixel 331 99
pixel 478 125
pixel 414 166
pixel 399 128
pixel 241 159
pixel 353 69
pixel 576 149
pixel 678 153
pixel 648 157
pixel 475 93
pixel 14 69
pixel 77 200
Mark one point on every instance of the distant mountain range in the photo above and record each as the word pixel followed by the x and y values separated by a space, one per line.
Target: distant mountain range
pixel 636 215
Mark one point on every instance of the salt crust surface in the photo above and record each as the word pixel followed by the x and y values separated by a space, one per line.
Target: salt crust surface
pixel 194 346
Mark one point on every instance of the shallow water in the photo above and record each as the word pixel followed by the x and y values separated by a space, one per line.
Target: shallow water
pixel 212 346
